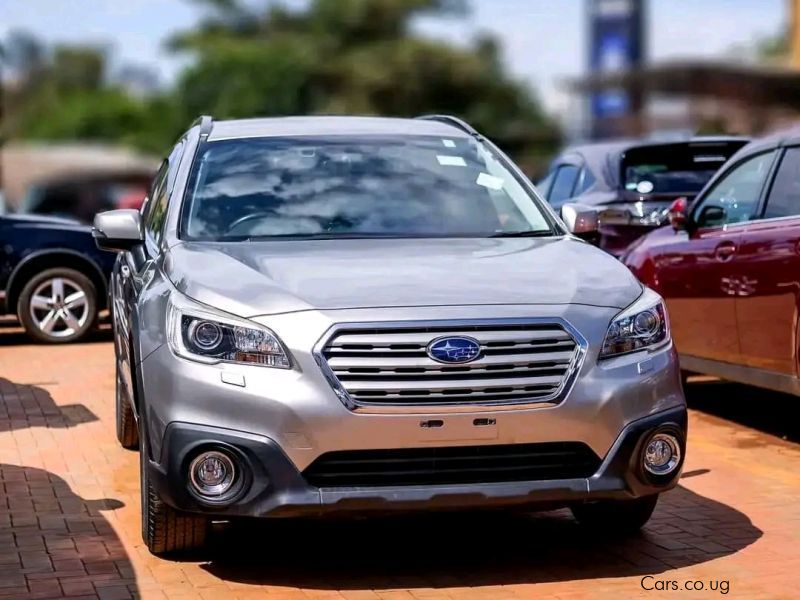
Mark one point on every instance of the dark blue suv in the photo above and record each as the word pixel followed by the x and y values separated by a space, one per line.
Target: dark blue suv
pixel 52 276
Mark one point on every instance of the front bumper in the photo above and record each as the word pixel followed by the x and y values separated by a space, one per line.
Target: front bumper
pixel 276 488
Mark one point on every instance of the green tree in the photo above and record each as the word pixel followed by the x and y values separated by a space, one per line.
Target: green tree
pixel 354 57
pixel 329 57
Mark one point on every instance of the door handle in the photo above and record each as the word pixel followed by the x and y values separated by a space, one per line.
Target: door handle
pixel 725 251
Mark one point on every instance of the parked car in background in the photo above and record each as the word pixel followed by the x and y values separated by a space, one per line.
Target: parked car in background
pixel 729 268
pixel 632 183
pixel 52 276
pixel 344 314
pixel 81 195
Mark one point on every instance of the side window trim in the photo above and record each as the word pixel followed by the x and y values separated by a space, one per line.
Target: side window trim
pixel 580 184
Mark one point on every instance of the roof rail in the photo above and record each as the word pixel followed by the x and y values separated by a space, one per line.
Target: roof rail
pixel 451 120
pixel 204 122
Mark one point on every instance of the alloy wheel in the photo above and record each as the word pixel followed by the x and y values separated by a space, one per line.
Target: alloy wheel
pixel 59 307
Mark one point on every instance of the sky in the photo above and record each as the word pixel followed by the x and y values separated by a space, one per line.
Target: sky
pixel 544 40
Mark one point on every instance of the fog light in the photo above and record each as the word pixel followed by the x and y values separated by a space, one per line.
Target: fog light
pixel 212 473
pixel 662 454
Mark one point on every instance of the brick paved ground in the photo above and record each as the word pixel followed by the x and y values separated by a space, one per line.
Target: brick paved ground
pixel 69 517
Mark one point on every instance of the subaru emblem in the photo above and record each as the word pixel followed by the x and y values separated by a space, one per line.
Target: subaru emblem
pixel 456 349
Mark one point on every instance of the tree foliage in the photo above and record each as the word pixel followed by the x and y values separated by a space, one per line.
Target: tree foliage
pixel 330 57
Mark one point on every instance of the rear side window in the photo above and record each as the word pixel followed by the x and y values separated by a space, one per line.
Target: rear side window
pixel 784 198
pixel 163 183
pixel 587 180
pixel 157 205
pixel 563 184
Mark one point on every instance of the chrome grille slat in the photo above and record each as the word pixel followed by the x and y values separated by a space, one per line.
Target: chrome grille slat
pixel 543 346
pixel 528 390
pixel 423 338
pixel 437 386
pixel 518 362
pixel 343 363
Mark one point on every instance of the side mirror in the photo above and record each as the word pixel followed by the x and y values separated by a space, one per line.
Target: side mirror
pixel 677 213
pixel 712 215
pixel 118 230
pixel 582 221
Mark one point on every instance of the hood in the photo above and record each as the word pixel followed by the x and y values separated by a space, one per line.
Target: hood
pixel 260 278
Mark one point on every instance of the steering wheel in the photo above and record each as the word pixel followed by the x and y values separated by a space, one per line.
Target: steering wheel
pixel 240 221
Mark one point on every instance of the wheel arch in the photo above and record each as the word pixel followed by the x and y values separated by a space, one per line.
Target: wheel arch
pixel 54 258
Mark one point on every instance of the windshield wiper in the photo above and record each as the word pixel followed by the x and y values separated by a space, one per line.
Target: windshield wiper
pixel 515 234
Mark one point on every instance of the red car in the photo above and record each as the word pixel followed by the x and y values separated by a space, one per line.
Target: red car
pixel 729 268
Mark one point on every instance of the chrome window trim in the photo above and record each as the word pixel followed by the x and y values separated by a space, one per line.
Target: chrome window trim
pixel 555 398
pixel 728 226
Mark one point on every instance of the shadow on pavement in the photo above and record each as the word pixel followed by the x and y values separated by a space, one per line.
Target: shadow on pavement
pixel 438 550
pixel 771 412
pixel 11 334
pixel 28 405
pixel 56 543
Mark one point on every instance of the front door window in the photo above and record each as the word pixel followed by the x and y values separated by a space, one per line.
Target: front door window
pixel 734 198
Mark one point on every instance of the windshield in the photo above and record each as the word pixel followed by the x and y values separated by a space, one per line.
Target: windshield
pixel 674 168
pixel 337 186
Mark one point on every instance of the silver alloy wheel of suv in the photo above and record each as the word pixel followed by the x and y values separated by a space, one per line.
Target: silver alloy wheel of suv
pixel 58 305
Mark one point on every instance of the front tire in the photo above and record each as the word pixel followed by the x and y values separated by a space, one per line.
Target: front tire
pixel 127 430
pixel 164 529
pixel 58 306
pixel 619 517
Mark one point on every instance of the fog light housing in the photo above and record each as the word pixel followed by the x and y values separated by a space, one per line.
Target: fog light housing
pixel 212 474
pixel 661 454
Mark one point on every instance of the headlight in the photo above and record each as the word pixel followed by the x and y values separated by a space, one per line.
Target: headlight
pixel 200 333
pixel 643 325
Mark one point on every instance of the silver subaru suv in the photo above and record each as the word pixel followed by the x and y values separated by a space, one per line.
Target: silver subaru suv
pixel 352 315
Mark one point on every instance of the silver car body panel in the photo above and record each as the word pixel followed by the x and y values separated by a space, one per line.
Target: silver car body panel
pixel 264 278
pixel 300 410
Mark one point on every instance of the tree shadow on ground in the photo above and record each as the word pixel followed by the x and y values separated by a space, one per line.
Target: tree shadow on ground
pixel 474 549
pixel 56 543
pixel 29 405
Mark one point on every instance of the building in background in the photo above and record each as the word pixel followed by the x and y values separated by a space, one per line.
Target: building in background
pixel 616 45
pixel 31 168
pixel 628 96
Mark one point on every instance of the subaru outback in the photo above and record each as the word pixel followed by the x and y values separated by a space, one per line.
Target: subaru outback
pixel 360 315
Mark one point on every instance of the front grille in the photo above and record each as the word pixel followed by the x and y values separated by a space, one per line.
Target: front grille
pixel 517 363
pixel 453 465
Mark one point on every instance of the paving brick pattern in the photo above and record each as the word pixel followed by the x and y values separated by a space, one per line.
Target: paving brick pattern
pixel 69 520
